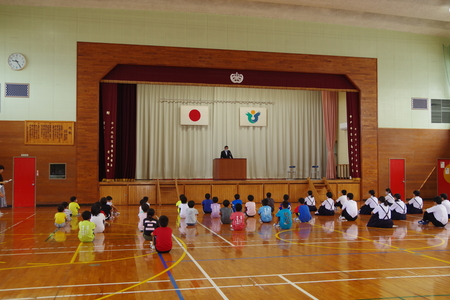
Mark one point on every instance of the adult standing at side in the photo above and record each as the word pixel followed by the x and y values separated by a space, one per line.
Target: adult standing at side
pixel 226 153
pixel 2 188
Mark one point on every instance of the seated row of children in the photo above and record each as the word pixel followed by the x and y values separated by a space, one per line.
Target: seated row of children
pixel 154 229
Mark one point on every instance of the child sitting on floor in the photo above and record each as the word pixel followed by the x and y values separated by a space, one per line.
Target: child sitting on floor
pixel 163 236
pixel 381 215
pixel 215 208
pixel 349 209
pixel 67 211
pixel 142 215
pixel 284 216
pixel 302 211
pixel 327 207
pixel 86 232
pixel 74 206
pixel 60 217
pixel 207 204
pixel 398 208
pixel 238 218
pixel 265 212
pixel 191 214
pixel 250 206
pixel 150 224
pixel 437 214
pixel 225 212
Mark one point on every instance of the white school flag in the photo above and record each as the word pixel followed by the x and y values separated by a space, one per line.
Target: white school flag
pixel 253 116
pixel 194 115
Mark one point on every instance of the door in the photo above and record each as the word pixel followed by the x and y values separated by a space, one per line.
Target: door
pixel 443 176
pixel 397 176
pixel 24 182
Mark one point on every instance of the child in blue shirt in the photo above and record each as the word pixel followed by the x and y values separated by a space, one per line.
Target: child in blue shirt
pixel 236 201
pixel 265 212
pixel 284 216
pixel 207 204
pixel 302 211
pixel 285 198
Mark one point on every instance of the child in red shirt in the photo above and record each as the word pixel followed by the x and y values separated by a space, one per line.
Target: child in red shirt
pixel 238 218
pixel 163 236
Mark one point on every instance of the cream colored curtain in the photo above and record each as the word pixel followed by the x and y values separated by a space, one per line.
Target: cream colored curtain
pixel 294 134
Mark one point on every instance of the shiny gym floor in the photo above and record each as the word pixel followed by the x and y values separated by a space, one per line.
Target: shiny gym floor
pixel 323 259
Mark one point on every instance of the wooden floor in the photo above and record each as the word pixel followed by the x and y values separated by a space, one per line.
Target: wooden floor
pixel 324 259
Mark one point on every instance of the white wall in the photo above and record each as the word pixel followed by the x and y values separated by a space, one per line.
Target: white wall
pixel 409 65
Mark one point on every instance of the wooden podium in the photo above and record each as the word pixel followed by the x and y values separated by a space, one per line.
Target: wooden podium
pixel 230 169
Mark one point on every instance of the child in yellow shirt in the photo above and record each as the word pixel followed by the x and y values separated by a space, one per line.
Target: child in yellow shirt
pixel 60 217
pixel 74 206
pixel 86 233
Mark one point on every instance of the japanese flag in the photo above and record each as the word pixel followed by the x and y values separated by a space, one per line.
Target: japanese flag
pixel 194 115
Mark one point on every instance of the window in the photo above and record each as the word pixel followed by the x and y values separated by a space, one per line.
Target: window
pixel 57 171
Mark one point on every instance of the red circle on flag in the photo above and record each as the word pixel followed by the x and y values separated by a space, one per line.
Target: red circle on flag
pixel 195 115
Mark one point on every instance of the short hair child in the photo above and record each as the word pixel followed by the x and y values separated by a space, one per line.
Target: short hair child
pixel 74 206
pixel 250 206
pixel 150 224
pixel 142 215
pixel 327 206
pixel 86 228
pixel 207 204
pixel 215 208
pixel 238 218
pixel 284 216
pixel 265 212
pixel 225 212
pixel 437 214
pixel 236 201
pixel 302 211
pixel 191 214
pixel 285 199
pixel 67 211
pixel 163 236
pixel 60 217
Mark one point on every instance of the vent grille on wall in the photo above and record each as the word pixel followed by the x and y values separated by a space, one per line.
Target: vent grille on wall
pixel 18 90
pixel 440 111
pixel 419 103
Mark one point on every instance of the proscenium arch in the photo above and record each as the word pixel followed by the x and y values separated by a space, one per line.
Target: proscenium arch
pixel 95 60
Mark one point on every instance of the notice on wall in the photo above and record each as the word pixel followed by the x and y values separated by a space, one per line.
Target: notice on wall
pixel 49 133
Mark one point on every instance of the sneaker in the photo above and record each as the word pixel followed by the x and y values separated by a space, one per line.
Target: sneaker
pixel 422 222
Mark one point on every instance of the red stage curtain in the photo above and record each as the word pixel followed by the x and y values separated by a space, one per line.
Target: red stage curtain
pixel 354 134
pixel 126 132
pixel 117 157
pixel 329 103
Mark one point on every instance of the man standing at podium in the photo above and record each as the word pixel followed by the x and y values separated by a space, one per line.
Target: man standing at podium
pixel 226 153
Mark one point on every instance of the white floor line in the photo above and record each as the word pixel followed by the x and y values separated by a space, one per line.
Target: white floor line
pixel 216 234
pixel 203 271
pixel 298 288
pixel 258 276
pixel 17 223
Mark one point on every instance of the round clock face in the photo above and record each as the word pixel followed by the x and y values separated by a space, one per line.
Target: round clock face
pixel 17 61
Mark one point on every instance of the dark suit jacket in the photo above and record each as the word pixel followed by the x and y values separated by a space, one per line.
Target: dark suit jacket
pixel 227 155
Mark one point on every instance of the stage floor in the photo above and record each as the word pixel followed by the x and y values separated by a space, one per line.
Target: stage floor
pixel 324 259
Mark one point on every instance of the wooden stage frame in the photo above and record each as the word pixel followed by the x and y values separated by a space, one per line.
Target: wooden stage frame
pixel 167 191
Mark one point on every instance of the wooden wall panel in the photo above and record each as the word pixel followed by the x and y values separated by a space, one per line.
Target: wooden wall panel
pixel 119 193
pixel 48 191
pixel 95 60
pixel 251 189
pixel 350 188
pixel 277 190
pixel 224 191
pixel 137 192
pixel 420 148
pixel 297 190
pixel 197 192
